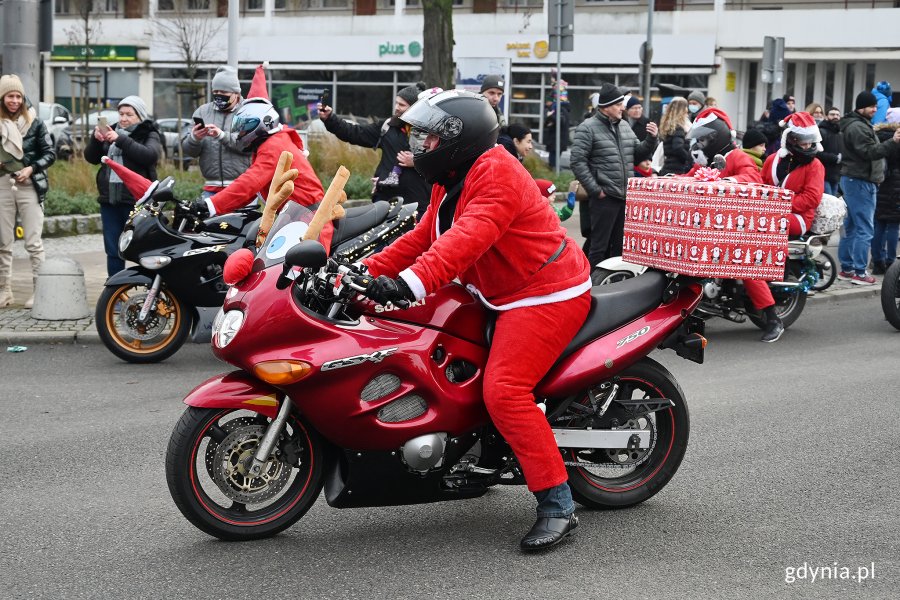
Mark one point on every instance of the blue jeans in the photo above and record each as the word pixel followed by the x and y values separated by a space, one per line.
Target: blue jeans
pixel 884 241
pixel 555 502
pixel 114 217
pixel 832 188
pixel 853 251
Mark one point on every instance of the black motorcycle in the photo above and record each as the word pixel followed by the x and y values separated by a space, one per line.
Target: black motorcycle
pixel 146 312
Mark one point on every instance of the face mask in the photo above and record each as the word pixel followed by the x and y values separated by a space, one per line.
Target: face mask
pixel 222 102
pixel 693 108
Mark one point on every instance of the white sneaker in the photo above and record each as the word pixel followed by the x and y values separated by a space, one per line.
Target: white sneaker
pixel 6 298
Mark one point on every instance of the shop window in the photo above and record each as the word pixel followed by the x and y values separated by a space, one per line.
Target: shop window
pixel 199 5
pixel 870 76
pixel 829 85
pixel 165 5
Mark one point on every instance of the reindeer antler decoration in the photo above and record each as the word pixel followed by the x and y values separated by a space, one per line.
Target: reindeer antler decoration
pixel 280 189
pixel 329 209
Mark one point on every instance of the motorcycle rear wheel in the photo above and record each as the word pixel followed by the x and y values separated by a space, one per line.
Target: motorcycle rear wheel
pixel 204 471
pixel 161 337
pixel 890 294
pixel 629 479
pixel 827 268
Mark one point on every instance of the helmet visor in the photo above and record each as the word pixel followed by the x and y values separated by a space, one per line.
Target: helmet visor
pixel 426 116
pixel 699 132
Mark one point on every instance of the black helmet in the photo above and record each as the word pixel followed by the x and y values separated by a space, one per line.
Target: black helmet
pixel 254 121
pixel 465 123
pixel 711 138
pixel 802 155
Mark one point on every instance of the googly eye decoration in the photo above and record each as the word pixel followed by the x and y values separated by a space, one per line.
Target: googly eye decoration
pixel 451 127
pixel 286 238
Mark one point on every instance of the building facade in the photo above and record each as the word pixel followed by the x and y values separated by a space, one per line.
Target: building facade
pixel 363 51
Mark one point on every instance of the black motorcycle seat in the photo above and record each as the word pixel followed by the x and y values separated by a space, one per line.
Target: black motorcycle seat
pixel 615 304
pixel 359 219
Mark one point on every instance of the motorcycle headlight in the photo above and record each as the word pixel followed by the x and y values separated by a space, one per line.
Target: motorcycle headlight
pixel 229 327
pixel 155 262
pixel 125 239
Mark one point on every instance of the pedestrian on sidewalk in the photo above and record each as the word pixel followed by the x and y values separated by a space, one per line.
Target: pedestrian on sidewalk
pixel 220 160
pixel 26 153
pixel 861 171
pixel 887 206
pixel 134 142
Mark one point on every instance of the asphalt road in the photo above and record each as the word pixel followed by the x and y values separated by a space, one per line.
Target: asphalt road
pixel 792 462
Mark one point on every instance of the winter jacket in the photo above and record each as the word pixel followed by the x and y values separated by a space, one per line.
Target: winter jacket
pixel 887 203
pixel 392 137
pixel 832 150
pixel 639 127
pixel 39 155
pixel 806 181
pixel 883 95
pixel 677 153
pixel 221 162
pixel 140 151
pixel 738 166
pixel 307 187
pixel 502 236
pixel 863 153
pixel 602 155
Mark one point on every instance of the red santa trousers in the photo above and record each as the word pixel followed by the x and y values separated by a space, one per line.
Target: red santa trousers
pixel 527 341
pixel 758 291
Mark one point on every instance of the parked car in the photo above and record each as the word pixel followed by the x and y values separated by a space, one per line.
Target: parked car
pixel 112 117
pixel 58 121
pixel 173 135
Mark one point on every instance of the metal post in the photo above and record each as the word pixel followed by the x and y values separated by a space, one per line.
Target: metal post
pixel 559 30
pixel 20 44
pixel 233 15
pixel 647 58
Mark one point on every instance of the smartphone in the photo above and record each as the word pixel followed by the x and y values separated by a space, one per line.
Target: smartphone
pixel 103 123
pixel 199 121
pixel 325 98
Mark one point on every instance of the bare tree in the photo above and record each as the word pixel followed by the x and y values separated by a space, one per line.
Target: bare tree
pixel 82 34
pixel 190 34
pixel 437 53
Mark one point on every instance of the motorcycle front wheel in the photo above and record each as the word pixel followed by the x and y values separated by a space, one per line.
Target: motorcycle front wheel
pixel 890 294
pixel 619 478
pixel 206 469
pixel 156 338
pixel 827 268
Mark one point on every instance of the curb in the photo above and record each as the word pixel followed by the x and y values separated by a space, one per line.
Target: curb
pixel 838 295
pixel 67 225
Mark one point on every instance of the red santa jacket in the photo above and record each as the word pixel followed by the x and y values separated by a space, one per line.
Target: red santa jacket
pixel 502 236
pixel 307 188
pixel 806 181
pixel 738 166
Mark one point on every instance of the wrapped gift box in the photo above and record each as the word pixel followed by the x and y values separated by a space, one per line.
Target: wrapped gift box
pixel 707 228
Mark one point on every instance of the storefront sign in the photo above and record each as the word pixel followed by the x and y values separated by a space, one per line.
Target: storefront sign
pixel 104 53
pixel 414 49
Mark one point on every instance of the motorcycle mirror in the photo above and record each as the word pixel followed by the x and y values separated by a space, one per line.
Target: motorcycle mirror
pixel 165 191
pixel 306 254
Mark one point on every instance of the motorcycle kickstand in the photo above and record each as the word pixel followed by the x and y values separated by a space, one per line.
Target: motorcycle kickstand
pixel 273 432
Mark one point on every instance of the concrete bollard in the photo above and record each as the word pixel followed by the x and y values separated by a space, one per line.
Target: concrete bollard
pixel 60 292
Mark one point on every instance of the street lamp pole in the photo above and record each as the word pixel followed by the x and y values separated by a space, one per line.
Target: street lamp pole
pixel 233 14
pixel 647 57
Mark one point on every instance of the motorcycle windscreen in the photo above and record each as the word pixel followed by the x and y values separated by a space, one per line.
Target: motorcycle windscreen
pixel 287 231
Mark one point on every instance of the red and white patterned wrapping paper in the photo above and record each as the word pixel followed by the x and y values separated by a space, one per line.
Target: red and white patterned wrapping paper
pixel 707 228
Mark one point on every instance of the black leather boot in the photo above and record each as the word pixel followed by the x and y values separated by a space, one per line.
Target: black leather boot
pixel 548 532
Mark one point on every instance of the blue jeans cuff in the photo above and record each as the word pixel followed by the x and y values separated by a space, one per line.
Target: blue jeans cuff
pixel 555 502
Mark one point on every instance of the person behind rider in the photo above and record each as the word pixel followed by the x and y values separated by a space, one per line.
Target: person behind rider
pixel 256 129
pixel 795 167
pixel 713 145
pixel 488 226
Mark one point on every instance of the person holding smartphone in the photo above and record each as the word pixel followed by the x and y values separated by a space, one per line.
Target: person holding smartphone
pixel 395 174
pixel 134 142
pixel 221 162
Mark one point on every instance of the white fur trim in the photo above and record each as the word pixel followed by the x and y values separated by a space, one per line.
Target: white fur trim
pixel 149 191
pixel 414 283
pixel 560 296
pixel 801 221
pixel 211 207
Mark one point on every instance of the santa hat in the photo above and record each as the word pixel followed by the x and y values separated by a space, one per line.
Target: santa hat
pixel 801 123
pixel 546 187
pixel 258 87
pixel 708 115
pixel 139 186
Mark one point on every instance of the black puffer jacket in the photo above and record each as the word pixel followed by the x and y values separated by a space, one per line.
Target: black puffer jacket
pixel 39 155
pixel 887 204
pixel 677 153
pixel 391 137
pixel 140 153
pixel 832 149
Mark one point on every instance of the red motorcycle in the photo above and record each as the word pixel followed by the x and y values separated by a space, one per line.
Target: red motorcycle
pixel 382 405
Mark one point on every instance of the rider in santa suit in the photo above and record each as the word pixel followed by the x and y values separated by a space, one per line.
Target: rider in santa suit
pixel 488 226
pixel 713 139
pixel 795 167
